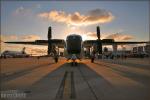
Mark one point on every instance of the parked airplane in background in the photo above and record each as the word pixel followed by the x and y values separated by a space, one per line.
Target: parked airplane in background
pixel 14 54
pixel 74 44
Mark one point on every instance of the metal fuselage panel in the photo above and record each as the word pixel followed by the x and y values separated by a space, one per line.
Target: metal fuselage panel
pixel 74 44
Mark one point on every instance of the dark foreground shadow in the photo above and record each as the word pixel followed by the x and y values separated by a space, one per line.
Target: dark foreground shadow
pixel 21 73
pixel 139 77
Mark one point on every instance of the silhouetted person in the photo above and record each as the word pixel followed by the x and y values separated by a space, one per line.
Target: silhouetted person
pixel 112 56
pixel 23 50
pixel 56 58
pixel 38 57
pixel 4 56
pixel 125 56
pixel 92 58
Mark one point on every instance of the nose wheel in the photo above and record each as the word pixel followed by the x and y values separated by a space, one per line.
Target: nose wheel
pixel 74 64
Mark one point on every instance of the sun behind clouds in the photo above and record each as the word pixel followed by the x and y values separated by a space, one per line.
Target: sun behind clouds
pixel 77 19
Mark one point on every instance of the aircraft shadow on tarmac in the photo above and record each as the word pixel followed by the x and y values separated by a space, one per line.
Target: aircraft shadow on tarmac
pixel 21 73
pixel 128 64
pixel 82 83
pixel 85 82
pixel 138 77
pixel 59 72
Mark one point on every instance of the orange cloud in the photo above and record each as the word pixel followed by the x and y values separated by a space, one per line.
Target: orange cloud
pixel 30 49
pixel 30 37
pixel 118 36
pixel 8 38
pixel 92 17
pixel 19 37
pixel 92 34
pixel 115 36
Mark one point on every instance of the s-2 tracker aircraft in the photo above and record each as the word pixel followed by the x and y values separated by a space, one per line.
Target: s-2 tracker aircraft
pixel 74 45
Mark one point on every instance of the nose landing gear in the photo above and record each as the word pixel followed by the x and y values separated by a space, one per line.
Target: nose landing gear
pixel 74 63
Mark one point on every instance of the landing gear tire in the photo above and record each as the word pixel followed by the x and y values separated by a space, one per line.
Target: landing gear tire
pixel 56 60
pixel 74 64
pixel 92 60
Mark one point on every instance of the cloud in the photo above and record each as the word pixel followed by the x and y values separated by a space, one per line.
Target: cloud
pixel 91 17
pixel 26 10
pixel 37 5
pixel 119 36
pixel 22 11
pixel 91 34
pixel 30 37
pixel 19 10
pixel 8 38
pixel 115 36
pixel 30 49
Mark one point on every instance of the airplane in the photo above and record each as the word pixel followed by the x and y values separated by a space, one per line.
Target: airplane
pixel 14 54
pixel 74 45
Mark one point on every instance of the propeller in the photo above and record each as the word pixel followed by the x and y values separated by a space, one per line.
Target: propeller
pixel 99 42
pixel 98 33
pixel 49 36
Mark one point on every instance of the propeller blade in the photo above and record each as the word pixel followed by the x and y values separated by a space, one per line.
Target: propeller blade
pixel 98 32
pixel 49 48
pixel 99 46
pixel 49 36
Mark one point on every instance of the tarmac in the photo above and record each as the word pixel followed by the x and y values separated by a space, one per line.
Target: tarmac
pixel 42 79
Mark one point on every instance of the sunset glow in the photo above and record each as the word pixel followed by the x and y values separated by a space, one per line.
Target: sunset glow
pixel 29 21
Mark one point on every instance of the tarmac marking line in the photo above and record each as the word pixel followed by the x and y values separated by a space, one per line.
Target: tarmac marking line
pixel 59 94
pixel 66 89
pixel 113 77
pixel 91 89
pixel 73 94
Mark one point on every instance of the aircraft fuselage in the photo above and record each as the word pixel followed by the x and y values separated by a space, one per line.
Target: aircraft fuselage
pixel 74 45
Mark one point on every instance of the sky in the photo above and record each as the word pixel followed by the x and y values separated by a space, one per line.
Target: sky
pixel 29 20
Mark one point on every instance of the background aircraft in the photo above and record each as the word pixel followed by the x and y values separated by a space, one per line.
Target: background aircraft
pixel 75 45
pixel 13 54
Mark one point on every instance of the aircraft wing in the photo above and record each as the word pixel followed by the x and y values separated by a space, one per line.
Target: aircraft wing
pixel 59 42
pixel 89 43
pixel 125 43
